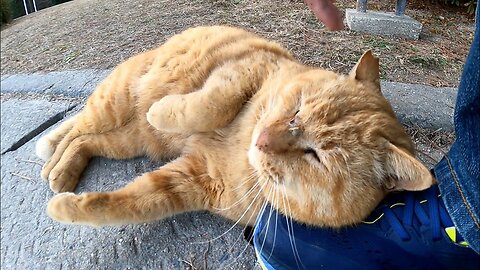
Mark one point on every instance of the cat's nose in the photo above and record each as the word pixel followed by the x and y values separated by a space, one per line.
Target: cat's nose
pixel 274 139
pixel 263 142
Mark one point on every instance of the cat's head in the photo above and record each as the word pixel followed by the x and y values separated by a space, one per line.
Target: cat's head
pixel 332 146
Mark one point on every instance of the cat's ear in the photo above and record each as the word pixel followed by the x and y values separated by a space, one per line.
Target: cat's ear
pixel 367 69
pixel 405 171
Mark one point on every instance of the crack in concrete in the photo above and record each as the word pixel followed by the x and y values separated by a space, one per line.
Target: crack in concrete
pixel 48 87
pixel 42 127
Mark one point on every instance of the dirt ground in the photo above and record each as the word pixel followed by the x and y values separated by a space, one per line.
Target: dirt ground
pixel 100 34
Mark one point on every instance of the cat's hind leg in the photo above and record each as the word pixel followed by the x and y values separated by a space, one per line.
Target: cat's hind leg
pixel 46 145
pixel 64 174
pixel 177 187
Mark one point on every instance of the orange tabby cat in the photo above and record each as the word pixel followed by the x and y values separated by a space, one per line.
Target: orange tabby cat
pixel 248 124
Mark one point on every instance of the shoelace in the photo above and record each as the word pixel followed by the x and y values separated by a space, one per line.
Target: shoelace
pixel 418 208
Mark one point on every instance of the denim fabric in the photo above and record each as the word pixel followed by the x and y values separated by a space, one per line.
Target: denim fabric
pixel 458 173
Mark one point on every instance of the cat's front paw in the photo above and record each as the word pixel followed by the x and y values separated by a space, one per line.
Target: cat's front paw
pixel 60 179
pixel 85 209
pixel 168 113
pixel 63 208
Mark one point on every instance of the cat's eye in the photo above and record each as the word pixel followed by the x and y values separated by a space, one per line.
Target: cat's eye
pixel 293 121
pixel 312 152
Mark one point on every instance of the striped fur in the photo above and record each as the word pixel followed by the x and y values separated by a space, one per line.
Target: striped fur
pixel 209 97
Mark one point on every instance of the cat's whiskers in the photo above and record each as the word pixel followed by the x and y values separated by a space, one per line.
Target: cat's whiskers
pixel 238 220
pixel 269 217
pixel 246 195
pixel 272 103
pixel 291 225
pixel 245 180
pixel 220 133
pixel 275 203
pixel 259 116
pixel 274 179
pixel 260 213
pixel 290 235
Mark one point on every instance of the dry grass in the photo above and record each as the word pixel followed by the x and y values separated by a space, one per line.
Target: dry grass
pixel 100 34
pixel 431 145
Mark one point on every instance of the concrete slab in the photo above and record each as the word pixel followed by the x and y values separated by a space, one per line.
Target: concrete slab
pixel 383 23
pixel 421 105
pixel 31 240
pixel 78 83
pixel 24 119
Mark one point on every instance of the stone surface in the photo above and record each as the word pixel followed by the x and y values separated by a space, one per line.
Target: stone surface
pixel 383 23
pixel 77 83
pixel 31 240
pixel 421 105
pixel 24 119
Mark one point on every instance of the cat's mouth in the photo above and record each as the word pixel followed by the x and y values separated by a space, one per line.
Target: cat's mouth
pixel 269 172
pixel 274 179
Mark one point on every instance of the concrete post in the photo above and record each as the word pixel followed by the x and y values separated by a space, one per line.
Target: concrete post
pixel 400 7
pixel 383 23
pixel 362 5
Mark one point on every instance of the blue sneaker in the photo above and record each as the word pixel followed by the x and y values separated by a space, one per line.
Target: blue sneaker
pixel 409 230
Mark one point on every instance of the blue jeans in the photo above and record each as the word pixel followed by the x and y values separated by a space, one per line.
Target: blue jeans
pixel 458 173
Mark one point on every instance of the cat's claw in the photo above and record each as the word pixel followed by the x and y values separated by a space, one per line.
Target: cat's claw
pixel 44 173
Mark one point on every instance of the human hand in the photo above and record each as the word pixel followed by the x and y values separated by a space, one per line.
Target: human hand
pixel 327 13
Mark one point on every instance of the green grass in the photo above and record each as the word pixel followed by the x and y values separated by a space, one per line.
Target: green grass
pixel 429 62
pixel 379 43
pixel 5 11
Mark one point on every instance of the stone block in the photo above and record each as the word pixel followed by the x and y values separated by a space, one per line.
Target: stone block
pixel 422 105
pixel 73 83
pixel 383 23
pixel 24 119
